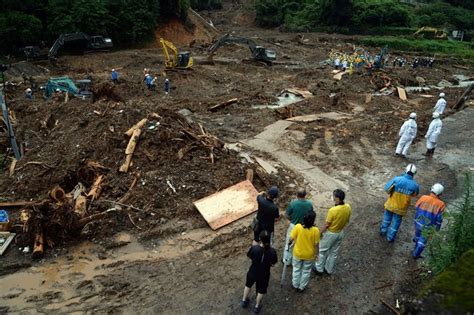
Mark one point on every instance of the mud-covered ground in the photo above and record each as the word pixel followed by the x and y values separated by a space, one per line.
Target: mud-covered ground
pixel 163 258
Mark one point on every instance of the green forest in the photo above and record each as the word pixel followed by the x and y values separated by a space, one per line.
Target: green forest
pixel 128 22
pixel 361 15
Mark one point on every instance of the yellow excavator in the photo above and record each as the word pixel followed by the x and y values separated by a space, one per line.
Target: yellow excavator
pixel 178 60
pixel 430 32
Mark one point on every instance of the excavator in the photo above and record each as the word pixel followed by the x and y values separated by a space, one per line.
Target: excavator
pixel 179 60
pixel 65 84
pixel 430 32
pixel 259 53
pixel 89 43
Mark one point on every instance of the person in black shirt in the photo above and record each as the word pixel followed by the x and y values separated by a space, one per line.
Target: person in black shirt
pixel 263 257
pixel 266 214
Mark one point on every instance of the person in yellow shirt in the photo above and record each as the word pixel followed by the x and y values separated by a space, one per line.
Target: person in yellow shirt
pixel 333 233
pixel 305 238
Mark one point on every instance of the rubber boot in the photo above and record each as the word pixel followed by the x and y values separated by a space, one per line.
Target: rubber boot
pixel 428 151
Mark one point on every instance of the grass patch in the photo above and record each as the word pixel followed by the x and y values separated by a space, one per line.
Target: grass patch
pixel 456 285
pixel 426 46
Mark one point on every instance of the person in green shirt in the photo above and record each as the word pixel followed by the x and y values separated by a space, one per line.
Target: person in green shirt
pixel 296 211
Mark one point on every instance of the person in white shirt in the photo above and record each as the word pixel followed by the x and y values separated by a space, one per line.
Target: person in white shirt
pixel 440 104
pixel 432 134
pixel 407 134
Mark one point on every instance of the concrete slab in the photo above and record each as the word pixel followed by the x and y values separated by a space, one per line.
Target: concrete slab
pixel 266 166
pixel 313 117
pixel 274 131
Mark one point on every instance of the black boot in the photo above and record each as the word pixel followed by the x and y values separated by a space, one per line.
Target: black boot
pixel 432 152
pixel 428 152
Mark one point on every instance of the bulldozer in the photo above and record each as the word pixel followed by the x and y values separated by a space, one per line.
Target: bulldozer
pixel 430 32
pixel 259 53
pixel 178 60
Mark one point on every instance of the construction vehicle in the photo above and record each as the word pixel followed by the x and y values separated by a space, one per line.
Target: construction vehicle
pixel 178 60
pixel 85 41
pixel 430 32
pixel 65 84
pixel 259 53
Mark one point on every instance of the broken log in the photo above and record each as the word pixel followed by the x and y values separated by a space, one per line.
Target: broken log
pixel 390 307
pixel 12 167
pixel 38 249
pixel 224 104
pixel 57 194
pixel 9 204
pixel 249 175
pixel 81 206
pixel 463 97
pixel 96 188
pixel 129 150
pixel 82 222
pixel 137 126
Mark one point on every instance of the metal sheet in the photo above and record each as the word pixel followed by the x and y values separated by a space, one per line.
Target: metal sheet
pixel 228 205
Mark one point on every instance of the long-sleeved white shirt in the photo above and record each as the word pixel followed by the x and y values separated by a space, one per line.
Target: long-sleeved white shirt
pixel 434 130
pixel 408 129
pixel 440 106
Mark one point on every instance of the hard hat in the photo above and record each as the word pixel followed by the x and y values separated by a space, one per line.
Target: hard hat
pixel 113 69
pixel 442 94
pixel 435 115
pixel 166 80
pixel 156 78
pixel 413 115
pixel 411 168
pixel 273 192
pixel 437 189
pixel 28 90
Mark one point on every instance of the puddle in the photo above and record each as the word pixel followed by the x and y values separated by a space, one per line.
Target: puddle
pixel 283 100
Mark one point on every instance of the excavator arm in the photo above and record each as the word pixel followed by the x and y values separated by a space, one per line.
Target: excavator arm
pixel 63 38
pixel 258 52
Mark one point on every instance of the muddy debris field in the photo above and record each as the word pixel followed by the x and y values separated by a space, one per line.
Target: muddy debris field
pixel 77 185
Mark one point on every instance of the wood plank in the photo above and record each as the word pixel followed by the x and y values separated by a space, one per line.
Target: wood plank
pixel 402 94
pixel 9 238
pixel 228 205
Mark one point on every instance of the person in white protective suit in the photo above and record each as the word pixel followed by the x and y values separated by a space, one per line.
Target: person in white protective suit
pixel 432 134
pixel 440 104
pixel 407 134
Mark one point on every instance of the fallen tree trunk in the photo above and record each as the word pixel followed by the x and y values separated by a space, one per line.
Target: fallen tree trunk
pixel 226 103
pixel 463 97
pixel 129 150
pixel 137 126
pixel 38 249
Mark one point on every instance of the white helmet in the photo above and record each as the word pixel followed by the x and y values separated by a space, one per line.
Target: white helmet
pixel 413 115
pixel 410 168
pixel 442 94
pixel 113 70
pixel 437 189
pixel 28 90
pixel 435 115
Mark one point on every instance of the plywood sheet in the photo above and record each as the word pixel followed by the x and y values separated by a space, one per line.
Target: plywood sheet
pixel 228 205
pixel 402 93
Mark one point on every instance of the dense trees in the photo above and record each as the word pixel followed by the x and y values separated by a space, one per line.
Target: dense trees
pixel 360 15
pixel 28 22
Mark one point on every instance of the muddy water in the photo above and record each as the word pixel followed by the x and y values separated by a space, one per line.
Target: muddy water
pixel 65 282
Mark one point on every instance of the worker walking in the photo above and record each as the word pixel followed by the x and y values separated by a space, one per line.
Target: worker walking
pixel 296 211
pixel 440 104
pixel 432 134
pixel 267 213
pixel 344 65
pixel 337 63
pixel 114 76
pixel 429 214
pixel 29 93
pixel 407 134
pixel 263 257
pixel 305 238
pixel 167 86
pixel 400 190
pixel 333 233
pixel 149 81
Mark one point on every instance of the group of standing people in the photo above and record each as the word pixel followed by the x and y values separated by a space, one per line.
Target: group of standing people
pixel 409 130
pixel 429 209
pixel 149 80
pixel 306 247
